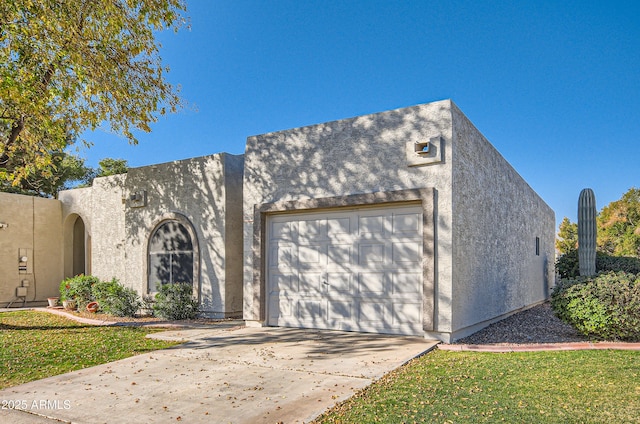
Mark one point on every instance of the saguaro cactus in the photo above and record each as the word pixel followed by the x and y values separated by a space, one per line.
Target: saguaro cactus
pixel 587 232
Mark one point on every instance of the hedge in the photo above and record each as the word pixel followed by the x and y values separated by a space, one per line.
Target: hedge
pixel 604 307
pixel 567 265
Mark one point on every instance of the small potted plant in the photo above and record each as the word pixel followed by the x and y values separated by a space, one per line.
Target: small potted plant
pixel 68 302
pixel 93 307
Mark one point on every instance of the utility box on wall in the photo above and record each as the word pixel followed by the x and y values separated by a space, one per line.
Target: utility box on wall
pixel 25 262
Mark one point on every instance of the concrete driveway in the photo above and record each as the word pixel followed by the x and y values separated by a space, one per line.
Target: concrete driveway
pixel 221 375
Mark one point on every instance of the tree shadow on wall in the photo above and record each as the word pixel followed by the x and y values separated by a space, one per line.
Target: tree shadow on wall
pixel 197 189
pixel 365 154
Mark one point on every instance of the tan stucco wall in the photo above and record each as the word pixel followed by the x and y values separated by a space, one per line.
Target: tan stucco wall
pixel 34 224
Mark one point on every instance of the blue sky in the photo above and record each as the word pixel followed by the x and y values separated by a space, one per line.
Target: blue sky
pixel 553 85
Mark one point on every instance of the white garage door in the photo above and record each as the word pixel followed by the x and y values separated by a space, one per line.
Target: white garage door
pixel 355 270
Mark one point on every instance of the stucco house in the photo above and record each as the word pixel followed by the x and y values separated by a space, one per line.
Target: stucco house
pixel 404 222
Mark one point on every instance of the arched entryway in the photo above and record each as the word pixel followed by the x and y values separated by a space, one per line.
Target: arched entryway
pixel 77 247
pixel 172 254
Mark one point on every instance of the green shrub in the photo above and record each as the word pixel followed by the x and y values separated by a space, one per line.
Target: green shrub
pixel 175 302
pixel 605 307
pixel 78 288
pixel 567 265
pixel 559 299
pixel 116 299
pixel 65 290
pixel 605 263
pixel 146 305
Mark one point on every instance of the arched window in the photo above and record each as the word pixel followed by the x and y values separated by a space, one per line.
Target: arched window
pixel 170 255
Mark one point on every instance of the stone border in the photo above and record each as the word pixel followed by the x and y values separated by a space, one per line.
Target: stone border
pixel 535 347
pixel 171 325
pixel 425 197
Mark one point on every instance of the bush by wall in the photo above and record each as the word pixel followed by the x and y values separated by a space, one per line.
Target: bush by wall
pixel 605 307
pixel 78 288
pixel 567 265
pixel 116 299
pixel 112 297
pixel 175 302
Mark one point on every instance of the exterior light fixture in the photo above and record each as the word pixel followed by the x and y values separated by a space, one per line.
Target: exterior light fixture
pixel 421 148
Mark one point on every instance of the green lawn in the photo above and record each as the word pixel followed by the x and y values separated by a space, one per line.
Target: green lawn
pixel 593 386
pixel 34 345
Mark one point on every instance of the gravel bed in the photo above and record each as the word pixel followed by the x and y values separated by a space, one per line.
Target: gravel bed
pixel 534 325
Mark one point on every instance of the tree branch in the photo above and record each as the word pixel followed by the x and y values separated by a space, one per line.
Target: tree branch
pixel 16 129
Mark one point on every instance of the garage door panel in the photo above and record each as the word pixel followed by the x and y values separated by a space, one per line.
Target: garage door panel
pixel 310 310
pixel 371 253
pixel 372 312
pixel 312 230
pixel 310 254
pixel 371 224
pixel 407 223
pixel 311 283
pixel 340 311
pixel 403 313
pixel 282 256
pixel 371 283
pixel 281 231
pixel 339 282
pixel 406 252
pixel 406 283
pixel 358 269
pixel 339 226
pixel 284 283
pixel 340 255
pixel 281 308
